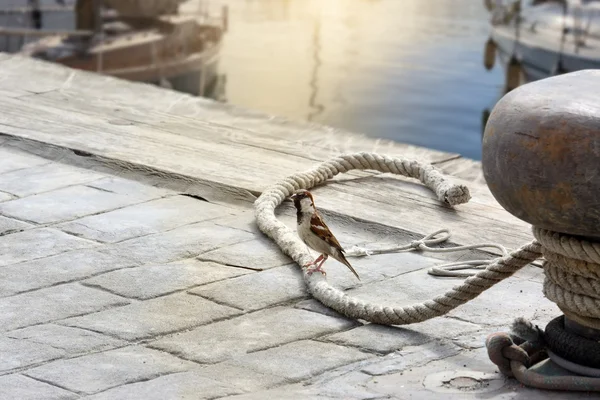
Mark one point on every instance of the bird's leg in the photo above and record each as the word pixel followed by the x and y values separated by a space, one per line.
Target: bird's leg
pixel 325 257
pixel 314 262
pixel 322 258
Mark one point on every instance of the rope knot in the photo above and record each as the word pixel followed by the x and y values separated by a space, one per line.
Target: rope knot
pixel 417 244
pixel 502 350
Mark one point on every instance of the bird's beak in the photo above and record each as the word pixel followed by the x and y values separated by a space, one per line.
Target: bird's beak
pixel 292 197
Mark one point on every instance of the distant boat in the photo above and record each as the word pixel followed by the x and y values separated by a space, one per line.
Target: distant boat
pixel 136 42
pixel 543 38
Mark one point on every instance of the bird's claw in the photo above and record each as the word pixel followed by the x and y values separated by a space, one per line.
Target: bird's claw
pixel 310 269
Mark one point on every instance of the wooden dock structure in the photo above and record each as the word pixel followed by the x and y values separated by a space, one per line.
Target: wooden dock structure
pixel 126 226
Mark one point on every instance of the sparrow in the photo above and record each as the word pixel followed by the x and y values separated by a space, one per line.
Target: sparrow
pixel 315 233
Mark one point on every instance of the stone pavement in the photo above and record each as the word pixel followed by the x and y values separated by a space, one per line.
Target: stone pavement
pixel 115 289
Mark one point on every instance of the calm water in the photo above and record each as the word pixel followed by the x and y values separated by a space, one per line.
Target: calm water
pixel 408 70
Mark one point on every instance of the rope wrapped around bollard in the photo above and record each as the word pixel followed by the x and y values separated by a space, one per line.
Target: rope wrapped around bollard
pixel 572 270
pixel 446 191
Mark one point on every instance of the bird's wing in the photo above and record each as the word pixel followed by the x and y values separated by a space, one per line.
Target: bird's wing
pixel 320 228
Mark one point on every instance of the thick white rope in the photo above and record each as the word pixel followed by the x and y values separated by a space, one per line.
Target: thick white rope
pixel 451 194
pixel 572 269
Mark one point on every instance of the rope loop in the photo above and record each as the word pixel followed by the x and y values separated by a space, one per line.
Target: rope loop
pixel 495 344
pixel 446 191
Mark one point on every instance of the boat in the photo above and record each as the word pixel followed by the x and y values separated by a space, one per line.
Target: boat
pixel 138 40
pixel 542 38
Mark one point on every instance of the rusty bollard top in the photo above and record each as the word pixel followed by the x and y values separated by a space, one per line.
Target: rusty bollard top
pixel 541 153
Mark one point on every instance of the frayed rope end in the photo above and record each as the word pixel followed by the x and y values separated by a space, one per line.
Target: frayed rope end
pixel 357 251
pixel 525 330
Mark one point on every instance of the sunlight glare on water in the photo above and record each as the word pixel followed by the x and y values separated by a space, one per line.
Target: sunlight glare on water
pixel 408 70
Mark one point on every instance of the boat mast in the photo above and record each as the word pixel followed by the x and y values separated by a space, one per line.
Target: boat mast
pixel 36 14
pixel 87 15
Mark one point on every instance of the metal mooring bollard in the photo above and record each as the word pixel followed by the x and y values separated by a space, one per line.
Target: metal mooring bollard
pixel 541 161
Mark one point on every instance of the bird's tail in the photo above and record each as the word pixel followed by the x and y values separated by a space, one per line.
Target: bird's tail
pixel 341 258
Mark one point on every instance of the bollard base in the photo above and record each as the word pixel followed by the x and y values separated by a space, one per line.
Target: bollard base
pixel 548 375
pixel 535 366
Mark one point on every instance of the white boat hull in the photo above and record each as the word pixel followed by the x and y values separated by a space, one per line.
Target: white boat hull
pixel 538 42
pixel 538 60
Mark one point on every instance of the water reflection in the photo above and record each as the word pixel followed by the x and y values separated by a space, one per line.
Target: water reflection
pixel 312 102
pixel 409 70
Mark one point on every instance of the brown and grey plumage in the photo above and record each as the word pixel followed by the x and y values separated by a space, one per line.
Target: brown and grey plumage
pixel 315 233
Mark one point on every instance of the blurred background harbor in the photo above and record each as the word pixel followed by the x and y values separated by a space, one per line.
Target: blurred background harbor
pixel 409 70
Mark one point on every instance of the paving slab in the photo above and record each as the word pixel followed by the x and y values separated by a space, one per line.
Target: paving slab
pixel 144 219
pixel 252 332
pixel 318 307
pixel 180 243
pixel 519 298
pixel 13 94
pixel 260 253
pixel 150 281
pixel 386 339
pixel 43 178
pixel 476 339
pixel 67 204
pixel 376 268
pixel 243 378
pixel 418 286
pixel 180 386
pixel 300 360
pixel 349 381
pixel 22 353
pixel 257 290
pixel 245 221
pixel 130 187
pixel 19 387
pixel 65 267
pixel 410 357
pixel 9 225
pixel 530 272
pixel 37 243
pixel 202 383
pixel 347 386
pixel 154 317
pixel 467 375
pixel 6 196
pixel 73 341
pixel 12 159
pixel 101 371
pixel 53 303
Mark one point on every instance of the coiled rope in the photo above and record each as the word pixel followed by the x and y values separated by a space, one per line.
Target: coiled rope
pixel 572 265
pixel 572 270
pixel 447 192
